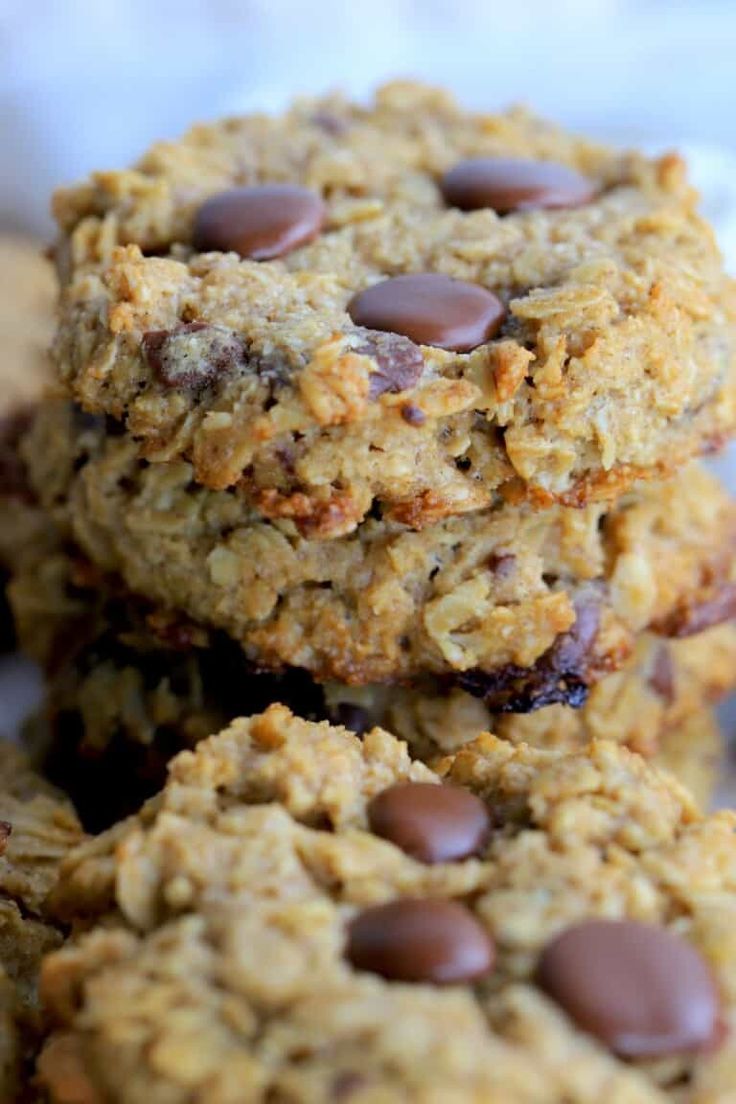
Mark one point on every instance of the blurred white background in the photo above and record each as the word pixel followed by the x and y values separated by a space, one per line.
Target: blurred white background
pixel 89 83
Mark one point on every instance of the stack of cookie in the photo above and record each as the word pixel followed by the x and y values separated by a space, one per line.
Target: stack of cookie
pixel 391 414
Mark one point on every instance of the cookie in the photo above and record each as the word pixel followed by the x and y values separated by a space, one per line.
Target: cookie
pixel 26 324
pixel 522 608
pixel 26 321
pixel 302 915
pixel 128 687
pixel 37 828
pixel 318 315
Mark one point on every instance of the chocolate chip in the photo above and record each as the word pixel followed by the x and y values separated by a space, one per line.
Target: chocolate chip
pixel 431 309
pixel 260 222
pixel 412 415
pixel 691 618
pixel 400 361
pixel 662 675
pixel 502 564
pixel 420 940
pixel 506 184
pixel 642 990
pixel 561 676
pixel 193 355
pixel 6 829
pixel 432 823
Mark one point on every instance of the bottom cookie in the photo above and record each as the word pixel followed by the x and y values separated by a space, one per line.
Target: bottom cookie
pixel 305 916
pixel 37 828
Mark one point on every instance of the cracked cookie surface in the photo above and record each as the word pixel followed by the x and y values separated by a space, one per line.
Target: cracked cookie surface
pixel 215 931
pixel 614 360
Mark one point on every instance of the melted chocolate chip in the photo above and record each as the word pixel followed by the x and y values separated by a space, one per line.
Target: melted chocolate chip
pixel 420 940
pixel 431 823
pixel 260 222
pixel 400 361
pixel 560 676
pixel 692 618
pixel 430 309
pixel 193 355
pixel 6 829
pixel 506 185
pixel 642 990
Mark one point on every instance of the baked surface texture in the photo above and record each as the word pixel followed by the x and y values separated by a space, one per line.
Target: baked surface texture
pixel 614 360
pixel 520 607
pixel 37 828
pixel 215 932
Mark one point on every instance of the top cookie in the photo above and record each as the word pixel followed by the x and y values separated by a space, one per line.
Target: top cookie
pixel 557 321
pixel 304 916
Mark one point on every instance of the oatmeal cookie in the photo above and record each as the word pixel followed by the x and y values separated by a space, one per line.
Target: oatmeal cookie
pixel 37 828
pixel 26 324
pixel 408 307
pixel 127 688
pixel 520 607
pixel 303 915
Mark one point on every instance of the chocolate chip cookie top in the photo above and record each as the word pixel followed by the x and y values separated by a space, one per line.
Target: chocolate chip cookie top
pixel 521 310
pixel 521 608
pixel 309 958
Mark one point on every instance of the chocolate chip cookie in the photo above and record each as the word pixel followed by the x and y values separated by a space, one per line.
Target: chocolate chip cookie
pixel 37 828
pixel 128 686
pixel 522 608
pixel 402 307
pixel 303 915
